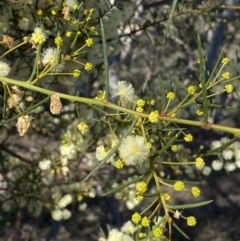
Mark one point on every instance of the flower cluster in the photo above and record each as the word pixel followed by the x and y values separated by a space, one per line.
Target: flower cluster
pixel 179 186
pixel 146 146
pixel 199 162
pixel 38 36
pixel 171 95
pixel 114 235
pixel 134 150
pixel 191 89
pixel 102 152
pixel 65 201
pixel 195 191
pixel 154 116
pixel 4 69
pixel 229 158
pixel 83 127
pixel 50 57
pixel 125 93
pixel 59 215
pixel 191 221
pixel 188 138
pixel 44 164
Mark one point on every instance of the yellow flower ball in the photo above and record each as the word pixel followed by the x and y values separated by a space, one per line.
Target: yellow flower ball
pixel 195 191
pixel 179 186
pixel 191 221
pixel 136 218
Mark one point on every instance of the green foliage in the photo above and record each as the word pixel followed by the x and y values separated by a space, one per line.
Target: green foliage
pixel 65 120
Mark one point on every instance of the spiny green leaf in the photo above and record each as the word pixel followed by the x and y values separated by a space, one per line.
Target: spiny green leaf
pixel 106 72
pixel 74 42
pixel 4 100
pixel 179 84
pixel 144 86
pixel 180 230
pixel 220 56
pixel 185 181
pixel 230 80
pixel 219 106
pixel 170 142
pixel 120 187
pixel 173 7
pixel 203 80
pixel 191 205
pixel 108 4
pixel 162 93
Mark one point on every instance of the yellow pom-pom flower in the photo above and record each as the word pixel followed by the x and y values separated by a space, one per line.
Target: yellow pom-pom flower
pixel 54 12
pixel 199 112
pixel 83 127
pixel 179 186
pixel 195 191
pixel 226 75
pixel 153 116
pixel 119 164
pixel 191 221
pixel 88 66
pixel 170 95
pixel 89 42
pixel 140 103
pixel 225 60
pixel 75 7
pixel 157 232
pixel 152 102
pixel 136 218
pixel 68 34
pixel 188 138
pixel 139 109
pixel 93 29
pixel 145 222
pixel 38 36
pixel 229 88
pixel 174 148
pixel 100 95
pixel 139 198
pixel 39 12
pixel 79 197
pixel 58 41
pixel 142 235
pixel 166 197
pixel 191 89
pixel 199 162
pixel 141 187
pixel 76 73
